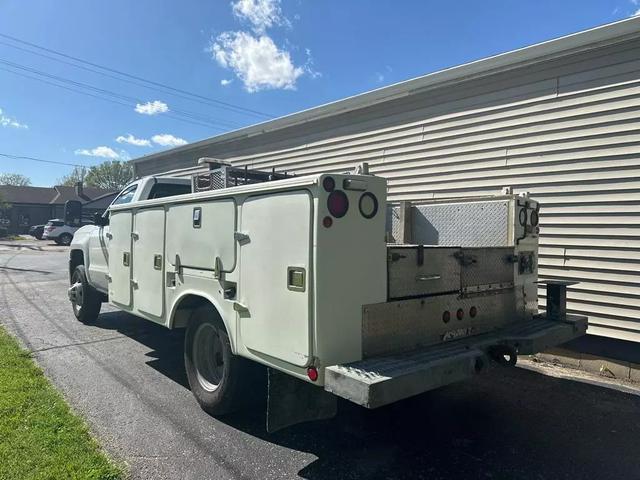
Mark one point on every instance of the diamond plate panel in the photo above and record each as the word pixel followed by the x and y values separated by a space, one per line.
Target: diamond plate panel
pixel 469 224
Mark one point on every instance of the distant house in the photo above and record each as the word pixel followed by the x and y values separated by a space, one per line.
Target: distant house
pixel 27 206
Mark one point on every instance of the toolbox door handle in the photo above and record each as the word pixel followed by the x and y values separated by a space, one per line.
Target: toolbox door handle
pixel 426 278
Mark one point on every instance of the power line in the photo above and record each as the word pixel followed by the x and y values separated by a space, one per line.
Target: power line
pixel 97 96
pixel 174 113
pixel 34 159
pixel 166 88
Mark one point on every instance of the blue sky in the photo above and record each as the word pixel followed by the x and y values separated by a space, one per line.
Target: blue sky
pixel 266 56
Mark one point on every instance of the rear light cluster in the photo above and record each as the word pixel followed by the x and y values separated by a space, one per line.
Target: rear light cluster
pixel 530 214
pixel 338 203
pixel 460 313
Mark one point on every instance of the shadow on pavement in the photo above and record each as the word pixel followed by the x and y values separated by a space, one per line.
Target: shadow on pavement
pixel 509 423
pixel 166 345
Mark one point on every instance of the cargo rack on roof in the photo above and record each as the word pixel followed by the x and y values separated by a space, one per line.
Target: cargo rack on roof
pixel 222 175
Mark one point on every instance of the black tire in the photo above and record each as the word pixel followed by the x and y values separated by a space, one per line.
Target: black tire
pixel 64 239
pixel 217 377
pixel 88 300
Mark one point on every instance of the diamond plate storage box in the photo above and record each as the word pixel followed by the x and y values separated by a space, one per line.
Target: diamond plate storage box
pixel 465 223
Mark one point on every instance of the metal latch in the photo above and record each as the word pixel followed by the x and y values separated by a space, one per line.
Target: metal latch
pixel 126 258
pixel 217 268
pixel 241 238
pixel 135 235
pixel 108 235
pixel 134 283
pixel 157 262
pixel 240 308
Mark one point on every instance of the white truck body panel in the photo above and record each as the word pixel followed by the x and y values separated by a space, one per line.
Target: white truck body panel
pixel 210 240
pixel 278 322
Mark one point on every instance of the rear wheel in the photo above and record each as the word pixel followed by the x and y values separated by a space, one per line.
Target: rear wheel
pixel 216 376
pixel 64 239
pixel 85 300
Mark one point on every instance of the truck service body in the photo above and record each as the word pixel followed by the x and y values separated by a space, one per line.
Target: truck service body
pixel 320 280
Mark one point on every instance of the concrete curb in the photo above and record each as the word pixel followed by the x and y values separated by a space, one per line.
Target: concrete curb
pixel 606 367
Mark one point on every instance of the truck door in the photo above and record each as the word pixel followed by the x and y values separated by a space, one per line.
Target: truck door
pixel 119 249
pixel 275 276
pixel 148 261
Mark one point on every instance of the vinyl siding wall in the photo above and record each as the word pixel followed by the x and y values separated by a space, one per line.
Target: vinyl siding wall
pixel 565 130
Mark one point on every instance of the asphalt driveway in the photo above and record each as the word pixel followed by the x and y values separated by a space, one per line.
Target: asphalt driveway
pixel 125 376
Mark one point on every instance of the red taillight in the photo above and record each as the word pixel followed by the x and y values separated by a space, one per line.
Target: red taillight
pixel 329 184
pixel 446 316
pixel 312 373
pixel 327 222
pixel 338 203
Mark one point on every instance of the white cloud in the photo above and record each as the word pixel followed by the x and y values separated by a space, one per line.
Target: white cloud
pixel 103 152
pixel 636 13
pixel 168 140
pixel 262 14
pixel 256 60
pixel 152 108
pixel 131 140
pixel 6 121
pixel 224 82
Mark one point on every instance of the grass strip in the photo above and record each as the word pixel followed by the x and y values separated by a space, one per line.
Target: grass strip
pixel 40 437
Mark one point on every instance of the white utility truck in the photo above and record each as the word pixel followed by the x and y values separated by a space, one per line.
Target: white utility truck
pixel 317 278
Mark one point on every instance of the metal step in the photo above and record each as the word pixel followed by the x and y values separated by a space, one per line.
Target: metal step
pixel 379 381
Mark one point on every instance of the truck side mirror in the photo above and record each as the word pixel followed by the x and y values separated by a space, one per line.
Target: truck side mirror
pixel 100 219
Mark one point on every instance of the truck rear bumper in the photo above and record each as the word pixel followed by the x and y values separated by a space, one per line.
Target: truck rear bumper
pixel 379 381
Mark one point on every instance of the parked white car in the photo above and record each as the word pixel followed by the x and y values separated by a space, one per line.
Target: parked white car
pixel 59 232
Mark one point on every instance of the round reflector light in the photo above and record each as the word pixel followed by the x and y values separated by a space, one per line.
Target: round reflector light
pixel 446 316
pixel 329 184
pixel 368 205
pixel 473 311
pixel 534 217
pixel 312 373
pixel 460 314
pixel 522 216
pixel 338 203
pixel 327 221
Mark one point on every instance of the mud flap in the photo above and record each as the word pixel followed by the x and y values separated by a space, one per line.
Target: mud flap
pixel 291 401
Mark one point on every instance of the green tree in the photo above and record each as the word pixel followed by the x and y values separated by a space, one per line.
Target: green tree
pixel 111 175
pixel 15 179
pixel 78 174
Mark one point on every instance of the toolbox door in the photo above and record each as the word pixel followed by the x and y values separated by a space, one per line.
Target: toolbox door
pixel 274 291
pixel 120 258
pixel 148 261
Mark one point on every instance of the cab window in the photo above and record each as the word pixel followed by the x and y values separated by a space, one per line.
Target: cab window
pixel 126 195
pixel 161 190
